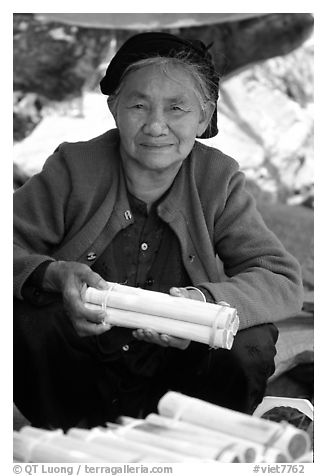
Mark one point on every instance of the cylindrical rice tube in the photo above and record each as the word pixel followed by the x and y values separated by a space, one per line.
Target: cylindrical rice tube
pixel 216 338
pixel 249 451
pixel 111 439
pixel 245 454
pixel 164 305
pixel 32 450
pixel 205 453
pixel 58 439
pixel 289 439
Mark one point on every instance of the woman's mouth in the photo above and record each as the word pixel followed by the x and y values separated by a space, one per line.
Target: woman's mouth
pixel 159 146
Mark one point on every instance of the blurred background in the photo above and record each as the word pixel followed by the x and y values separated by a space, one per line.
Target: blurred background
pixel 265 110
pixel 265 116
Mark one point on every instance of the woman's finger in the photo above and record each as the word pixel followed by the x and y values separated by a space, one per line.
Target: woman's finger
pixel 175 341
pixel 94 280
pixel 179 292
pixel 85 328
pixel 150 336
pixel 78 311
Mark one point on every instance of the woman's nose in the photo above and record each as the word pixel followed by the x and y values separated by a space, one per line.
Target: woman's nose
pixel 155 124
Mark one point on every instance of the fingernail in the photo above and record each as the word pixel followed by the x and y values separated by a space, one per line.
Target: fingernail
pixel 103 284
pixel 83 291
pixel 176 291
pixel 165 338
pixel 148 333
pixel 224 303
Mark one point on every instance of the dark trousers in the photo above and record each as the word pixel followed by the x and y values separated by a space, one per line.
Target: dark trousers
pixel 61 379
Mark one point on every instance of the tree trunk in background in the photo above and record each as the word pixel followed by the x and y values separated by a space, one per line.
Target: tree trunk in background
pixel 55 59
pixel 240 43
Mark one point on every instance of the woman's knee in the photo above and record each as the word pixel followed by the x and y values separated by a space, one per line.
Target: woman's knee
pixel 245 369
pixel 38 327
pixel 255 348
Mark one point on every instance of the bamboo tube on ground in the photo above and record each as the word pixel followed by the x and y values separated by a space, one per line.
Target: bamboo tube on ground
pixel 58 439
pixel 32 450
pixel 218 446
pixel 206 453
pixel 290 440
pixel 250 451
pixel 306 458
pixel 164 305
pixel 214 337
pixel 112 439
pixel 245 450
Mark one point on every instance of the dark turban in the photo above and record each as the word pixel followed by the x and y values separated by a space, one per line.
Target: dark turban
pixel 152 44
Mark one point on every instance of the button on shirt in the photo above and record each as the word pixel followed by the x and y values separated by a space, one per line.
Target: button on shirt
pixel 147 241
pixel 144 246
pixel 145 254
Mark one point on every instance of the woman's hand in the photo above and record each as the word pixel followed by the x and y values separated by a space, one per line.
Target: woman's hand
pixel 70 279
pixel 165 340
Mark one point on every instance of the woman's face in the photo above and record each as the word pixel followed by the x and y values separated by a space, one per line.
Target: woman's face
pixel 158 118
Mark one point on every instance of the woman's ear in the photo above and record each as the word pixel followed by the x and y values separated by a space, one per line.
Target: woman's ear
pixel 206 115
pixel 112 103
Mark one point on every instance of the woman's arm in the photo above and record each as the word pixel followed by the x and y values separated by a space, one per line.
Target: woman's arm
pixel 39 228
pixel 263 281
pixel 39 218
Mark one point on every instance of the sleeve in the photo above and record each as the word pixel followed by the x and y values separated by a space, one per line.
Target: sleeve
pixel 262 280
pixel 39 218
pixel 32 290
pixel 209 297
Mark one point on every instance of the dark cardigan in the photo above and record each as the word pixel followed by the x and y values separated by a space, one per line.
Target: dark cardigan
pixel 61 214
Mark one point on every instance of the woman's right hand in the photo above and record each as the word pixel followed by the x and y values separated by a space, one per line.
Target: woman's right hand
pixel 70 279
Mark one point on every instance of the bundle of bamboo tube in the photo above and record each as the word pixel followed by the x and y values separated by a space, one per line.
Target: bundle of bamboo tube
pixel 185 430
pixel 212 324
pixel 283 437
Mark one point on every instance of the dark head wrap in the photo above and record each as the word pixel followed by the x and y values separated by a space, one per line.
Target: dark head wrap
pixel 152 44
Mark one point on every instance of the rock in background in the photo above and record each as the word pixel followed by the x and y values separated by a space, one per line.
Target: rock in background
pixel 265 107
pixel 266 122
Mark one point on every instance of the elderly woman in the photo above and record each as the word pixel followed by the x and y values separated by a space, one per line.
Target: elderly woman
pixel 148 206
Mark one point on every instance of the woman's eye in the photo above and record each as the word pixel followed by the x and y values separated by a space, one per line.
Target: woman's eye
pixel 176 108
pixel 137 106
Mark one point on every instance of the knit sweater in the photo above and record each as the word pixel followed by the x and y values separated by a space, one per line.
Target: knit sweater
pixel 78 203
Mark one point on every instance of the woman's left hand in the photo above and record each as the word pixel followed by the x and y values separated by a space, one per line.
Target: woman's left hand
pixel 165 340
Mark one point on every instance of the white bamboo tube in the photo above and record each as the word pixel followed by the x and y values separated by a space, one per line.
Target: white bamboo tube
pixel 270 455
pixel 290 440
pixel 59 440
pixel 249 451
pixel 214 446
pixel 31 450
pixel 110 439
pixel 245 450
pixel 185 330
pixel 164 305
pixel 306 458
pixel 205 453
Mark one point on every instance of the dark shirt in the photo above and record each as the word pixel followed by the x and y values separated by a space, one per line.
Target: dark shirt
pixel 145 254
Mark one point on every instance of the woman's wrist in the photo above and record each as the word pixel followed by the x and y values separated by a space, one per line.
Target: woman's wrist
pixel 52 277
pixel 201 295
